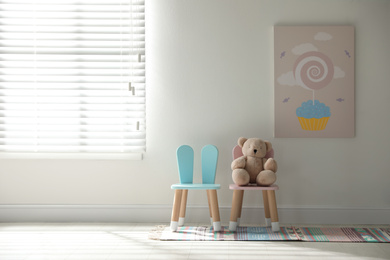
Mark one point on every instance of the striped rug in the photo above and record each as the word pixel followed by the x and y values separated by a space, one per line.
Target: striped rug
pixel 308 234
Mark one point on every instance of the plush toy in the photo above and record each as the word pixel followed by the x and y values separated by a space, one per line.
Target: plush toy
pixel 253 167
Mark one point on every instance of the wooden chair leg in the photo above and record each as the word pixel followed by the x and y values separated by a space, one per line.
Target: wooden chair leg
pixel 240 209
pixel 235 211
pixel 176 209
pixel 266 209
pixel 273 210
pixel 215 210
pixel 183 207
pixel 208 200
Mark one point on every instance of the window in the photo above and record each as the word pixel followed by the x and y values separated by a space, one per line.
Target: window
pixel 72 77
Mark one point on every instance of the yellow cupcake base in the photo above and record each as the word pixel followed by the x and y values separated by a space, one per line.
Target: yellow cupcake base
pixel 313 124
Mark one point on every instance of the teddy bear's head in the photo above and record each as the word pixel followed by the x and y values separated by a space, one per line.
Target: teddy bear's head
pixel 254 147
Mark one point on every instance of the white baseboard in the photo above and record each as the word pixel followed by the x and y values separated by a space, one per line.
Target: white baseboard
pixel 195 214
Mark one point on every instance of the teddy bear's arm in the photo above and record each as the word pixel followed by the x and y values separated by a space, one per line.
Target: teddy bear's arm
pixel 270 164
pixel 239 163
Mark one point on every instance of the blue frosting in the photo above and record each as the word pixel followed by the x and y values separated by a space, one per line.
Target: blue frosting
pixel 308 110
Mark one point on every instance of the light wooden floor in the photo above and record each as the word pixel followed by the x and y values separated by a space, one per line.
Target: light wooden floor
pixel 97 241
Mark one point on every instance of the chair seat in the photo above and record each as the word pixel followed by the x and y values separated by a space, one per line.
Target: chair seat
pixel 193 186
pixel 253 187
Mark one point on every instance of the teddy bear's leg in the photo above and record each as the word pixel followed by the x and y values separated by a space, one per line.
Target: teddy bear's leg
pixel 266 178
pixel 240 177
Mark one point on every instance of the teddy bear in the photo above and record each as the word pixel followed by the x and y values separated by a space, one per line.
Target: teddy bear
pixel 252 167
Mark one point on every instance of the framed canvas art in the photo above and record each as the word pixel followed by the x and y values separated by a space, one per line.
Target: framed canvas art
pixel 314 81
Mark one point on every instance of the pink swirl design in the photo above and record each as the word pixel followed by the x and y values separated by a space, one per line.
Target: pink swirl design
pixel 313 70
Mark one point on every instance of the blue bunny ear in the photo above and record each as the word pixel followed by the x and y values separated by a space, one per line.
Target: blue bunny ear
pixel 209 163
pixel 185 163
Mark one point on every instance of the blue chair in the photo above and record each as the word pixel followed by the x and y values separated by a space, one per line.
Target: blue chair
pixel 185 162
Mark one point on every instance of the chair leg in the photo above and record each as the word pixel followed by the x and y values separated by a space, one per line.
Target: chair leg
pixel 273 210
pixel 176 209
pixel 266 209
pixel 240 209
pixel 183 206
pixel 235 211
pixel 208 200
pixel 215 210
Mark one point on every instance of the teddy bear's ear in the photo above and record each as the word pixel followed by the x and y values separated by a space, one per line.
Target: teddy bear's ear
pixel 269 146
pixel 241 141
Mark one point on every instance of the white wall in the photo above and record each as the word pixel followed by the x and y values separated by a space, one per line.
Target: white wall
pixel 210 80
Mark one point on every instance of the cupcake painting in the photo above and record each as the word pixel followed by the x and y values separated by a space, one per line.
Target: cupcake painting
pixel 314 81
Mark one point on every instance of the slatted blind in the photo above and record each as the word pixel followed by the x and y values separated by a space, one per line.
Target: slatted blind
pixel 72 76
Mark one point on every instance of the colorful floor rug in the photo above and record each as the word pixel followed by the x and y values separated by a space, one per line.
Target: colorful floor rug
pixel 308 234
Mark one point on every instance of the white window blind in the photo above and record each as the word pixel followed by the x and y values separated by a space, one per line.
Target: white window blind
pixel 72 76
